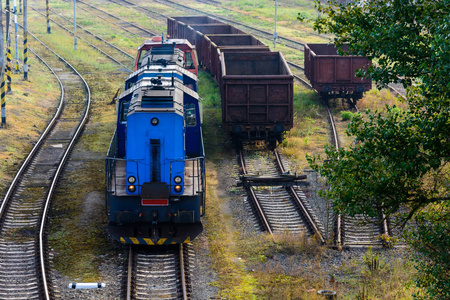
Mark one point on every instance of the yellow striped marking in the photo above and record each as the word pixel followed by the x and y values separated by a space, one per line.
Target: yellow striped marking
pixel 149 241
pixel 134 240
pixel 122 240
pixel 161 241
pixel 188 240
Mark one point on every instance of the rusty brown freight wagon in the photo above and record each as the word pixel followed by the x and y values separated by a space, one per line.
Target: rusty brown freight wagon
pixel 332 75
pixel 217 43
pixel 257 95
pixel 201 31
pixel 177 27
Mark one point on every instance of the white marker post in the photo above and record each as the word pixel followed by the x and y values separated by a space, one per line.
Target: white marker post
pixel 86 285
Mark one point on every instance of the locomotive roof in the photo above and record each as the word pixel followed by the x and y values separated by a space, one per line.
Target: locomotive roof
pixel 166 83
pixel 166 41
pixel 161 69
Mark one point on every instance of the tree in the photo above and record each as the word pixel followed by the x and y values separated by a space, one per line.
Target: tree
pixel 402 157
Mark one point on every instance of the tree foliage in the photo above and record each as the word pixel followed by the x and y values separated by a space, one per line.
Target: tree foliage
pixel 401 158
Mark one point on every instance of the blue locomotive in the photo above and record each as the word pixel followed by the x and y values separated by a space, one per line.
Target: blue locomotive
pixel 155 164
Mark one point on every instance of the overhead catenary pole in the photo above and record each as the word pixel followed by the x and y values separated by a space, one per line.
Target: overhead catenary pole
pixel 48 17
pixel 15 32
pixel 74 25
pixel 25 40
pixel 275 31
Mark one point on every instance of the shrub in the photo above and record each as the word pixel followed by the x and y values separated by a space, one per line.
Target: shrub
pixel 346 115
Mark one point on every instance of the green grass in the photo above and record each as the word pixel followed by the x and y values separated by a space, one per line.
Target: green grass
pixel 215 138
pixel 310 132
pixel 26 116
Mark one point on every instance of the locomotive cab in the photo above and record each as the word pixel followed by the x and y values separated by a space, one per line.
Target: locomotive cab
pixel 190 61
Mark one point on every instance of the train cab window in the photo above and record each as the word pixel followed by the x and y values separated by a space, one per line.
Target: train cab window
pixel 188 61
pixel 191 119
pixel 142 54
pixel 157 102
pixel 124 112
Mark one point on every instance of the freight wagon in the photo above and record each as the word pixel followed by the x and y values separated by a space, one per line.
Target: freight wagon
pixel 257 93
pixel 256 85
pixel 333 75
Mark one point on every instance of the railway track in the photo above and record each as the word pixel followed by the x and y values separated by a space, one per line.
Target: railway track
pixel 259 32
pixel 279 208
pixel 357 231
pixel 116 21
pixel 122 52
pixel 23 212
pixel 158 273
pixel 89 43
pixel 297 45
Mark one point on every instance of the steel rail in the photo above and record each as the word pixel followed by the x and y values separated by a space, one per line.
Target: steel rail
pixel 336 144
pixel 36 147
pixel 183 274
pixel 129 23
pixel 96 36
pixel 258 207
pixel 60 167
pixel 301 44
pixel 87 42
pixel 299 202
pixel 129 272
pixel 125 29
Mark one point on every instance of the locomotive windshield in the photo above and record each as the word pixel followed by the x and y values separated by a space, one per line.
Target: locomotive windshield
pixel 142 54
pixel 191 120
pixel 189 63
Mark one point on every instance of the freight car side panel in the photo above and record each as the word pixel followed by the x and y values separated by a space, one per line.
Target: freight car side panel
pixel 257 94
pixel 329 72
pixel 257 101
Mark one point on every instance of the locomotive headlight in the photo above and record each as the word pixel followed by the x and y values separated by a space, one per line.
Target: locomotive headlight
pixel 177 179
pixel 131 188
pixel 177 188
pixel 131 179
pixel 155 121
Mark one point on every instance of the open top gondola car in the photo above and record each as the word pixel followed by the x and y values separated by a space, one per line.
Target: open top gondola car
pixel 256 85
pixel 333 75
pixel 155 165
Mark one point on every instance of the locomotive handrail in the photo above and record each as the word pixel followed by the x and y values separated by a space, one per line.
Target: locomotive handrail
pixel 199 174
pixel 110 169
pixel 110 163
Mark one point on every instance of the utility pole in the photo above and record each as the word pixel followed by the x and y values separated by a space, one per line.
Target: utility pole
pixel 2 43
pixel 2 66
pixel 74 25
pixel 48 17
pixel 8 45
pixel 25 40
pixel 15 31
pixel 275 31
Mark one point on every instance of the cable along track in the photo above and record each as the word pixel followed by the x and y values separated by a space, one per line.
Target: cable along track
pixel 24 209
